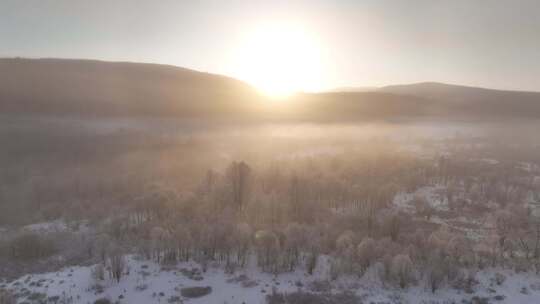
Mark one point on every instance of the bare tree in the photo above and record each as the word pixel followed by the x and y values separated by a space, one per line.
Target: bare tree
pixel 117 264
pixel 505 222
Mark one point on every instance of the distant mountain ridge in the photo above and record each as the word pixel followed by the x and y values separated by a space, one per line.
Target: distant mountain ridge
pixel 353 89
pixel 98 88
pixel 438 90
pixel 469 100
pixel 91 87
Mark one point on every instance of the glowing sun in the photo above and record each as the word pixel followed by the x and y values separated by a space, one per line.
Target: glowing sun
pixel 279 60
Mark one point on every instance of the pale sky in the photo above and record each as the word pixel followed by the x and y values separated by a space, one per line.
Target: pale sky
pixel 490 43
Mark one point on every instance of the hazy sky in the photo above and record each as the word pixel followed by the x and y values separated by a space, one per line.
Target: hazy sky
pixel 492 43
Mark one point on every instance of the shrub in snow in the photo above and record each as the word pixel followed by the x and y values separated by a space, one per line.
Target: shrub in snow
pixel 499 297
pixel 174 299
pixel 479 300
pixel 231 267
pixel 499 278
pixel 193 273
pixel 244 280
pixel 397 298
pixel 521 265
pixel 320 286
pixel 466 280
pixel 249 284
pixel 141 287
pixel 37 297
pixel 310 298
pixel 97 288
pixel 195 292
pixel 144 274
pixel 102 301
pixel 238 279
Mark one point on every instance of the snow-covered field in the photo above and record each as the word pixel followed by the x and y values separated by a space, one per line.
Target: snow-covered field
pixel 147 282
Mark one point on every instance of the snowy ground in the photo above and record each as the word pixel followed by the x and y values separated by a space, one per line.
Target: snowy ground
pixel 147 283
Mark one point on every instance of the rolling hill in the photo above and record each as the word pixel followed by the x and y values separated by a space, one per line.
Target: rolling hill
pixel 97 88
pixel 91 88
pixel 471 102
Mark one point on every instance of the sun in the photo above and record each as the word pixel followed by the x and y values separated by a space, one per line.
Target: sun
pixel 279 59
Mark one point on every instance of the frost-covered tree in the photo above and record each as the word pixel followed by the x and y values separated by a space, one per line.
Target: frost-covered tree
pixel 346 251
pixel 295 242
pixel 184 242
pixel 423 207
pixel 435 272
pixel 239 178
pixel 242 241
pixel 160 239
pixel 392 225
pixel 345 241
pixel 505 222
pixel 313 249
pixel 402 270
pixel 98 272
pixel 267 249
pixel 366 252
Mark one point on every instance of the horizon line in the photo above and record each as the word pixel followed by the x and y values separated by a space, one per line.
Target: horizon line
pixel 336 89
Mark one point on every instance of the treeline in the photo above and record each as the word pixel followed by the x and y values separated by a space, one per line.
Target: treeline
pixel 330 209
pixel 338 211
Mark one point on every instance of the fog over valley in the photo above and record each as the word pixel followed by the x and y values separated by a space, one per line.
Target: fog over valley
pixel 269 152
